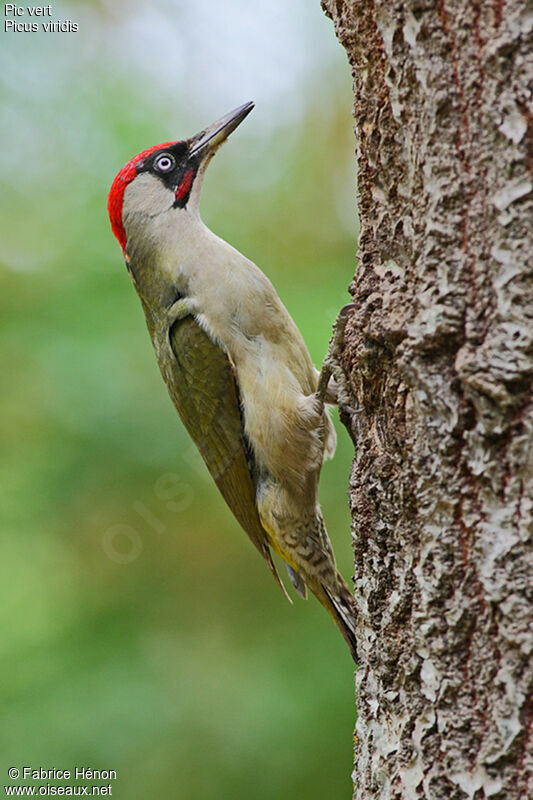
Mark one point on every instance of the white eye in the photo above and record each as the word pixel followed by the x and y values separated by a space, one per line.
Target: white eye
pixel 164 162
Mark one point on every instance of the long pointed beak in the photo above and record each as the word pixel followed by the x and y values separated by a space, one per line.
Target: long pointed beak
pixel 207 141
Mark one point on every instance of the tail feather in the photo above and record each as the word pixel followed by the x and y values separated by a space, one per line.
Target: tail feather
pixel 342 609
pixel 297 582
pixel 268 558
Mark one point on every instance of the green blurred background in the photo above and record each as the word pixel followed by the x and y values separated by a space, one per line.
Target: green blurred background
pixel 141 632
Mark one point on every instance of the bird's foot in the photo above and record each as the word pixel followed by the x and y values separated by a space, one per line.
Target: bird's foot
pixel 332 381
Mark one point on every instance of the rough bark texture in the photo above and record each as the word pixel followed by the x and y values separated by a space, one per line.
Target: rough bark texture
pixel 439 365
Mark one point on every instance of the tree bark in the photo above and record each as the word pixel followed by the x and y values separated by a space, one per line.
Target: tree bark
pixel 438 359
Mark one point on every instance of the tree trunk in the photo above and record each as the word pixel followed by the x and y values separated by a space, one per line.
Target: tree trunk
pixel 438 359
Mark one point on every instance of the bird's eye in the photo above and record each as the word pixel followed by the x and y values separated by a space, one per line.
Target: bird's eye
pixel 164 163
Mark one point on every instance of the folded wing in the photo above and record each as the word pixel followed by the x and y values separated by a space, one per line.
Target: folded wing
pixel 204 390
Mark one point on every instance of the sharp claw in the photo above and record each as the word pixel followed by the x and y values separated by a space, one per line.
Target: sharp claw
pixel 349 308
pixel 330 365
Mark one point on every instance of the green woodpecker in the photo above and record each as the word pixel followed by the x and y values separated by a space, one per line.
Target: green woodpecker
pixel 235 364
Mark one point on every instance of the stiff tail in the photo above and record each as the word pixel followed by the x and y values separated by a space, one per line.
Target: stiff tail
pixel 342 609
pixel 267 555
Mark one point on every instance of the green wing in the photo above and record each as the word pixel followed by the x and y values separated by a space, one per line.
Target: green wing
pixel 203 387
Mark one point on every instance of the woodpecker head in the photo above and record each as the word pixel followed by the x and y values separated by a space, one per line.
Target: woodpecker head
pixel 166 177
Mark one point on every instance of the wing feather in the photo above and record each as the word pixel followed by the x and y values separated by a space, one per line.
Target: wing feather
pixel 204 390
